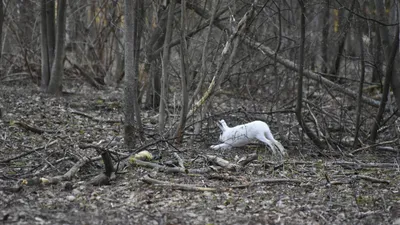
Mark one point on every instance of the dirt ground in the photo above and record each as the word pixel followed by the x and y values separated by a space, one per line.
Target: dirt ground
pixel 308 187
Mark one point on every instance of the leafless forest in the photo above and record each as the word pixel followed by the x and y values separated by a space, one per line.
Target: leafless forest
pixel 108 109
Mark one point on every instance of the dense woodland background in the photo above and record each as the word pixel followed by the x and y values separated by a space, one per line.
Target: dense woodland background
pixel 86 84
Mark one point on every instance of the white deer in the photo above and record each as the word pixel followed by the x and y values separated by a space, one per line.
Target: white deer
pixel 244 134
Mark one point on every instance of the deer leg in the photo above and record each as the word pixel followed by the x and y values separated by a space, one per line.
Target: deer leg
pixel 222 146
pixel 261 138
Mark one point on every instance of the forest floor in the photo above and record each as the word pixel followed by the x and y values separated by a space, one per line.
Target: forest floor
pixel 305 188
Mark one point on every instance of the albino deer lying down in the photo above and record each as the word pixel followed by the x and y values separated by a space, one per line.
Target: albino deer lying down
pixel 245 134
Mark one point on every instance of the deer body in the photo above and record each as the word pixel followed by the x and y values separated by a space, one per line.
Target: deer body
pixel 246 133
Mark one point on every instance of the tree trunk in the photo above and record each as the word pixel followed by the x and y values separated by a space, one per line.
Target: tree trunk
pixel 184 105
pixel 1 24
pixel 389 78
pixel 57 70
pixel 378 60
pixel 164 63
pixel 51 32
pixel 360 89
pixel 325 34
pixel 299 103
pixel 346 27
pixel 156 40
pixel 130 97
pixel 138 28
pixel 45 77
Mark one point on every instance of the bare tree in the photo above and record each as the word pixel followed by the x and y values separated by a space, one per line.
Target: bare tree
pixel 44 47
pixel 1 24
pixel 325 35
pixel 342 41
pixel 131 107
pixel 388 80
pixel 183 51
pixel 361 86
pixel 164 64
pixel 299 103
pixel 57 69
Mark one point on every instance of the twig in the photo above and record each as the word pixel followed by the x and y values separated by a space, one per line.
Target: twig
pixel 223 163
pixel 29 152
pixel 250 158
pixel 95 118
pixel 368 213
pixel 372 146
pixel 31 128
pixel 366 165
pixel 268 181
pixel 71 172
pixel 183 187
pixel 372 179
pixel 166 169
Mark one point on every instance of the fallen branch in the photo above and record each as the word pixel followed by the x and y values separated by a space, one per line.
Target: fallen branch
pixel 95 118
pixel 183 187
pixel 372 179
pixel 71 172
pixel 29 152
pixel 374 145
pixel 166 169
pixel 248 159
pixel 31 128
pixel 268 181
pixel 223 163
pixel 360 177
pixel 366 165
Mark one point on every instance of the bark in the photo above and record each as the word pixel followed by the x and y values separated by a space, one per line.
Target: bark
pixel 1 24
pixel 378 59
pixel 204 55
pixel 360 89
pixel 346 27
pixel 130 93
pixel 57 70
pixel 51 32
pixel 164 63
pixel 45 64
pixel 184 105
pixel 138 29
pixel 299 103
pixel 325 34
pixel 386 88
pixel 157 37
pixel 388 50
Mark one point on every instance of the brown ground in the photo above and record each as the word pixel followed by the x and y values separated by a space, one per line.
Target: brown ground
pixel 348 198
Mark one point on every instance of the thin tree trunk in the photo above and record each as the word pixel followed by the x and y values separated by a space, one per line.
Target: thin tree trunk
pixel 164 63
pixel 378 60
pixel 204 55
pixel 325 34
pixel 384 32
pixel 336 67
pixel 1 25
pixel 129 92
pixel 184 105
pixel 156 41
pixel 51 32
pixel 360 89
pixel 299 103
pixel 45 77
pixel 57 70
pixel 138 28
pixel 388 79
